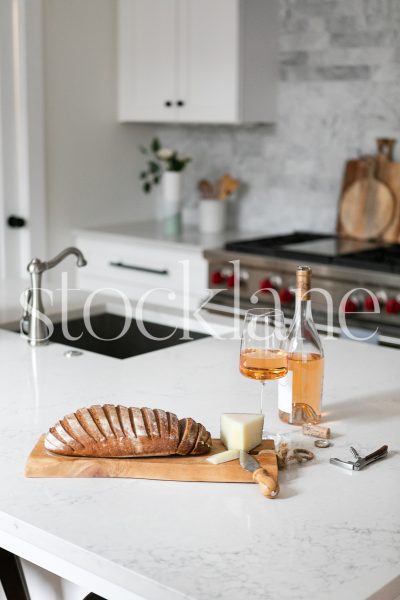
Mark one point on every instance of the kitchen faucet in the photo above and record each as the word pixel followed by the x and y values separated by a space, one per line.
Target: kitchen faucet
pixel 31 324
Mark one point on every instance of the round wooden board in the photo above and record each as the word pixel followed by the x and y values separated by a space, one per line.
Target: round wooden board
pixel 367 209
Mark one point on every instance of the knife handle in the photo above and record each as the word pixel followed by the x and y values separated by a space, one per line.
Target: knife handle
pixel 380 453
pixel 268 485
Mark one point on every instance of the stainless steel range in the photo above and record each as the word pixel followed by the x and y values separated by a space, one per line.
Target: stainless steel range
pixel 247 271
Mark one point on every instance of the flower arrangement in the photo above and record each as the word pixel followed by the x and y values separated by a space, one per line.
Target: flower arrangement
pixel 156 155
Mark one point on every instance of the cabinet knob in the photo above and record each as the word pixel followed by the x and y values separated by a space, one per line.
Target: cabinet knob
pixel 16 222
pixel 180 103
pixel 168 103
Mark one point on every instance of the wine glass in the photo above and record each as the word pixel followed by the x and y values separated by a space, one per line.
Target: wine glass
pixel 262 352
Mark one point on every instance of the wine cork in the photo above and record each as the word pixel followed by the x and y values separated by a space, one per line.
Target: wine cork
pixel 316 431
pixel 303 283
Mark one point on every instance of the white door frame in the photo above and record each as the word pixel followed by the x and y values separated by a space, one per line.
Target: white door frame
pixel 22 160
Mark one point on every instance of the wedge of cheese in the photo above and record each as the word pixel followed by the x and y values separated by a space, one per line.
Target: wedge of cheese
pixel 222 457
pixel 241 431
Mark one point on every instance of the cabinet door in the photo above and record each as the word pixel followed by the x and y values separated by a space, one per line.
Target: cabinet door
pixel 208 61
pixel 147 38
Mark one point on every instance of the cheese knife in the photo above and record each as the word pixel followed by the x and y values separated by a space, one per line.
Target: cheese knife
pixel 268 485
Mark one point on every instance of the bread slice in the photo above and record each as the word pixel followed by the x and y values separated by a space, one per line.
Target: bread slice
pixel 137 421
pixel 61 434
pixel 203 442
pixel 150 423
pixel 118 431
pixel 188 429
pixel 162 422
pixel 125 420
pixel 111 413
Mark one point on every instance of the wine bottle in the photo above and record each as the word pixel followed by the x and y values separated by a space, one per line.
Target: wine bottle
pixel 300 391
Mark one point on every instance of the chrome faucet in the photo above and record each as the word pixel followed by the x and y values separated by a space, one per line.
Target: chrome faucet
pixel 31 325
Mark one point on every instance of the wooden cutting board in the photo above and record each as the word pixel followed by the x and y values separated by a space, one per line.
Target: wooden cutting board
pixel 386 213
pixel 42 463
pixel 367 204
pixel 389 172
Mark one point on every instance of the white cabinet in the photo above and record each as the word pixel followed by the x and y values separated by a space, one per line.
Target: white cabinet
pixel 170 275
pixel 208 60
pixel 147 56
pixel 197 61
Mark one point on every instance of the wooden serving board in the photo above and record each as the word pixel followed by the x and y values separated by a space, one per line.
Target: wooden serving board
pixel 388 174
pixel 392 178
pixel 42 463
pixel 367 208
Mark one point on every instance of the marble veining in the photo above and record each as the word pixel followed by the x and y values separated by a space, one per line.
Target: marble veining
pixel 329 530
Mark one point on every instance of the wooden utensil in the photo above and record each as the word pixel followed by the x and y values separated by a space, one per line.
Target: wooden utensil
pixel 367 205
pixel 206 188
pixel 226 186
pixel 42 463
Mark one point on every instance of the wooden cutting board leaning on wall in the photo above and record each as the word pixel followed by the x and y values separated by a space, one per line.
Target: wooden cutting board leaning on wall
pixel 370 198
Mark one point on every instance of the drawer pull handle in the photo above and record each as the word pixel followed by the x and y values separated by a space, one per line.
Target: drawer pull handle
pixel 122 265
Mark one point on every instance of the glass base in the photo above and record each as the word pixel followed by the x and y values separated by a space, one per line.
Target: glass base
pixel 172 225
pixel 301 414
pixel 275 437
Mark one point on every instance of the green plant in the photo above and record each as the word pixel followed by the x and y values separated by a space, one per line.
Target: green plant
pixel 156 155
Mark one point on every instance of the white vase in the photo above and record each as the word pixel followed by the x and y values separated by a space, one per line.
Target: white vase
pixel 171 189
pixel 212 216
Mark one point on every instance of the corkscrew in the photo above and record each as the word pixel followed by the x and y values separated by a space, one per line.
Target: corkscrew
pixel 360 461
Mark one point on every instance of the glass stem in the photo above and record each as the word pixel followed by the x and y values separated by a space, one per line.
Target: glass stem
pixel 262 397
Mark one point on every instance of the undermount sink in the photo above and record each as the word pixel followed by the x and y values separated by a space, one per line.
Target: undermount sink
pixel 132 343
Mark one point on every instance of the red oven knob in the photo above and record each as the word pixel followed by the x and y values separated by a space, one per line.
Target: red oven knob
pixel 351 306
pixel 230 281
pixel 369 304
pixel 392 306
pixel 285 295
pixel 265 284
pixel 216 277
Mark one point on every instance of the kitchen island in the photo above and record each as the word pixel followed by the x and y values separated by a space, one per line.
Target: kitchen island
pixel 330 534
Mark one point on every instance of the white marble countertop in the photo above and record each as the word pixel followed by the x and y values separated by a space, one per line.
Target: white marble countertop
pixel 152 232
pixel 330 534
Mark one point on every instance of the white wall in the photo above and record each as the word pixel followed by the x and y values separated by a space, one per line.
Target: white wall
pixel 92 162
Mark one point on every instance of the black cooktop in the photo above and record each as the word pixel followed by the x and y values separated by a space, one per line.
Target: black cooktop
pixel 324 248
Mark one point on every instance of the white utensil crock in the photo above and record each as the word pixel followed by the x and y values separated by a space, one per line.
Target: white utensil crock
pixel 212 216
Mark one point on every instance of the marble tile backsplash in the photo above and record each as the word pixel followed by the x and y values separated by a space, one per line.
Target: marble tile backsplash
pixel 339 89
